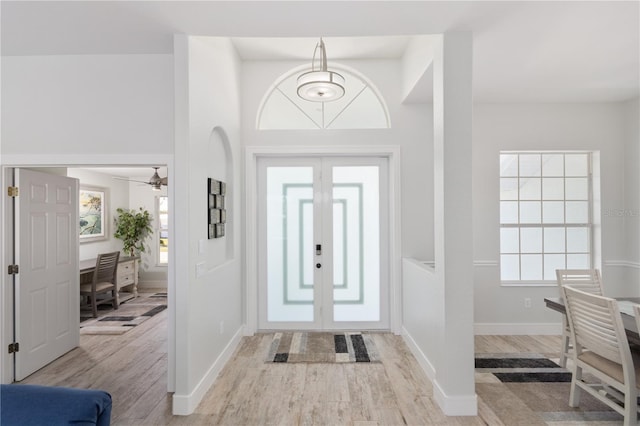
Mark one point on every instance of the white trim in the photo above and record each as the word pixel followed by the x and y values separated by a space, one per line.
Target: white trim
pixel 63 160
pixel 395 233
pixel 527 284
pixel 483 263
pixel 451 406
pixel 251 241
pixel 422 359
pixel 518 329
pixel 427 265
pixel 623 263
pixel 455 405
pixel 392 152
pixel 183 405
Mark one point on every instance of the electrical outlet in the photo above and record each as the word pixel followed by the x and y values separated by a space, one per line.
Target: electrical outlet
pixel 527 302
pixel 221 327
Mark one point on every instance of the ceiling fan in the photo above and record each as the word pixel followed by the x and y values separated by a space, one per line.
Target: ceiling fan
pixel 155 181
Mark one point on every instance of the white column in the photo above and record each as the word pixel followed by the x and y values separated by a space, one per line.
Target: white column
pixel 454 388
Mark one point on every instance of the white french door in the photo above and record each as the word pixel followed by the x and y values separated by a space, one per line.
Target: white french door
pixel 323 243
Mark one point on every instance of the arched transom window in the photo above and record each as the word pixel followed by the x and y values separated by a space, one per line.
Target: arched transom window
pixel 362 106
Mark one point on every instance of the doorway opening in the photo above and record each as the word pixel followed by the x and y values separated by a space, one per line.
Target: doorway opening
pixel 119 193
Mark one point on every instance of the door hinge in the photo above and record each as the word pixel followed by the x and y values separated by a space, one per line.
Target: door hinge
pixel 12 191
pixel 14 269
pixel 14 347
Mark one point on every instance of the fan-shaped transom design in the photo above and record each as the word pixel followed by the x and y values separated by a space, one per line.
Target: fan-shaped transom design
pixel 362 106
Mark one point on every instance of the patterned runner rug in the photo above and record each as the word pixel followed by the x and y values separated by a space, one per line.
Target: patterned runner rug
pixel 317 347
pixel 129 315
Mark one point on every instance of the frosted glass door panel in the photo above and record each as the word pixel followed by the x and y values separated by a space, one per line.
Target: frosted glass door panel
pixel 356 244
pixel 290 257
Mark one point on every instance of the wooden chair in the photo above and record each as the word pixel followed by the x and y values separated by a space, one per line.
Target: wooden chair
pixel 602 350
pixel 103 283
pixel 587 280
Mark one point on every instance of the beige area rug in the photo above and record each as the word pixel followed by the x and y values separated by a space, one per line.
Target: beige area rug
pixel 129 315
pixel 316 347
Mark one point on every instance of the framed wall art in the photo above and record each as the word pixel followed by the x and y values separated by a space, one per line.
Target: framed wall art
pixel 216 212
pixel 93 213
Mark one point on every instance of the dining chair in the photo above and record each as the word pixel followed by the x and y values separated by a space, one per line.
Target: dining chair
pixel 103 283
pixel 601 349
pixel 583 279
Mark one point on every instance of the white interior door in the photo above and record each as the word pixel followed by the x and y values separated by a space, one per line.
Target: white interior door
pixel 47 307
pixel 323 243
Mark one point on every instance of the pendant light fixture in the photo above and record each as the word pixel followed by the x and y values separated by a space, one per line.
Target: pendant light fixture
pixel 320 84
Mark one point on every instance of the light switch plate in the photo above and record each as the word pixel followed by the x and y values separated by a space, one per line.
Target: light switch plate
pixel 202 246
pixel 201 268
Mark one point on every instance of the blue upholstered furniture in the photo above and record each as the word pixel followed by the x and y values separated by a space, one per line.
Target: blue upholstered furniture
pixel 32 405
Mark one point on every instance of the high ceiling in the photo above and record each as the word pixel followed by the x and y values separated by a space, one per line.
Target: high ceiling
pixel 571 51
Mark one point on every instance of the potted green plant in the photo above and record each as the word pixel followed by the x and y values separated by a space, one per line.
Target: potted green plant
pixel 133 228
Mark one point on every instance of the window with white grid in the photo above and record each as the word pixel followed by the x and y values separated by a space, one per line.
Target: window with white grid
pixel 545 215
pixel 162 213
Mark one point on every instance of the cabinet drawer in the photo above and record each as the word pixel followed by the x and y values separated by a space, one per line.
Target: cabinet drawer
pixel 126 273
pixel 126 279
pixel 125 268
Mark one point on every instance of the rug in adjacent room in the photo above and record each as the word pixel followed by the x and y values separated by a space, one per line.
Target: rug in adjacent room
pixel 531 389
pixel 519 368
pixel 129 315
pixel 320 347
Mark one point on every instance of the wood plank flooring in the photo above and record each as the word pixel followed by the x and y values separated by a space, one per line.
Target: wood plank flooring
pixel 132 367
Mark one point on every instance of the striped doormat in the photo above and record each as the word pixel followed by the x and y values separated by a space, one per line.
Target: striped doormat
pixel 320 347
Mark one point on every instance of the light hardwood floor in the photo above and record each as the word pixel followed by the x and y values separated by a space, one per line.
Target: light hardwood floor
pixel 132 367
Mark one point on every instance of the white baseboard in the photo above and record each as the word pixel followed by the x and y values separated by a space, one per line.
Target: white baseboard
pixel 419 355
pixel 455 405
pixel 451 406
pixel 183 405
pixel 516 329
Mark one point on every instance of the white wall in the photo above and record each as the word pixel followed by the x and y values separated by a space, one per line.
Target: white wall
pixel 631 211
pixel 118 196
pixel 152 275
pixel 98 104
pixel 423 311
pixel 208 306
pixel 499 127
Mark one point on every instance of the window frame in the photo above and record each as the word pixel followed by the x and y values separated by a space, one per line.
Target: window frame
pixel 542 225
pixel 159 229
